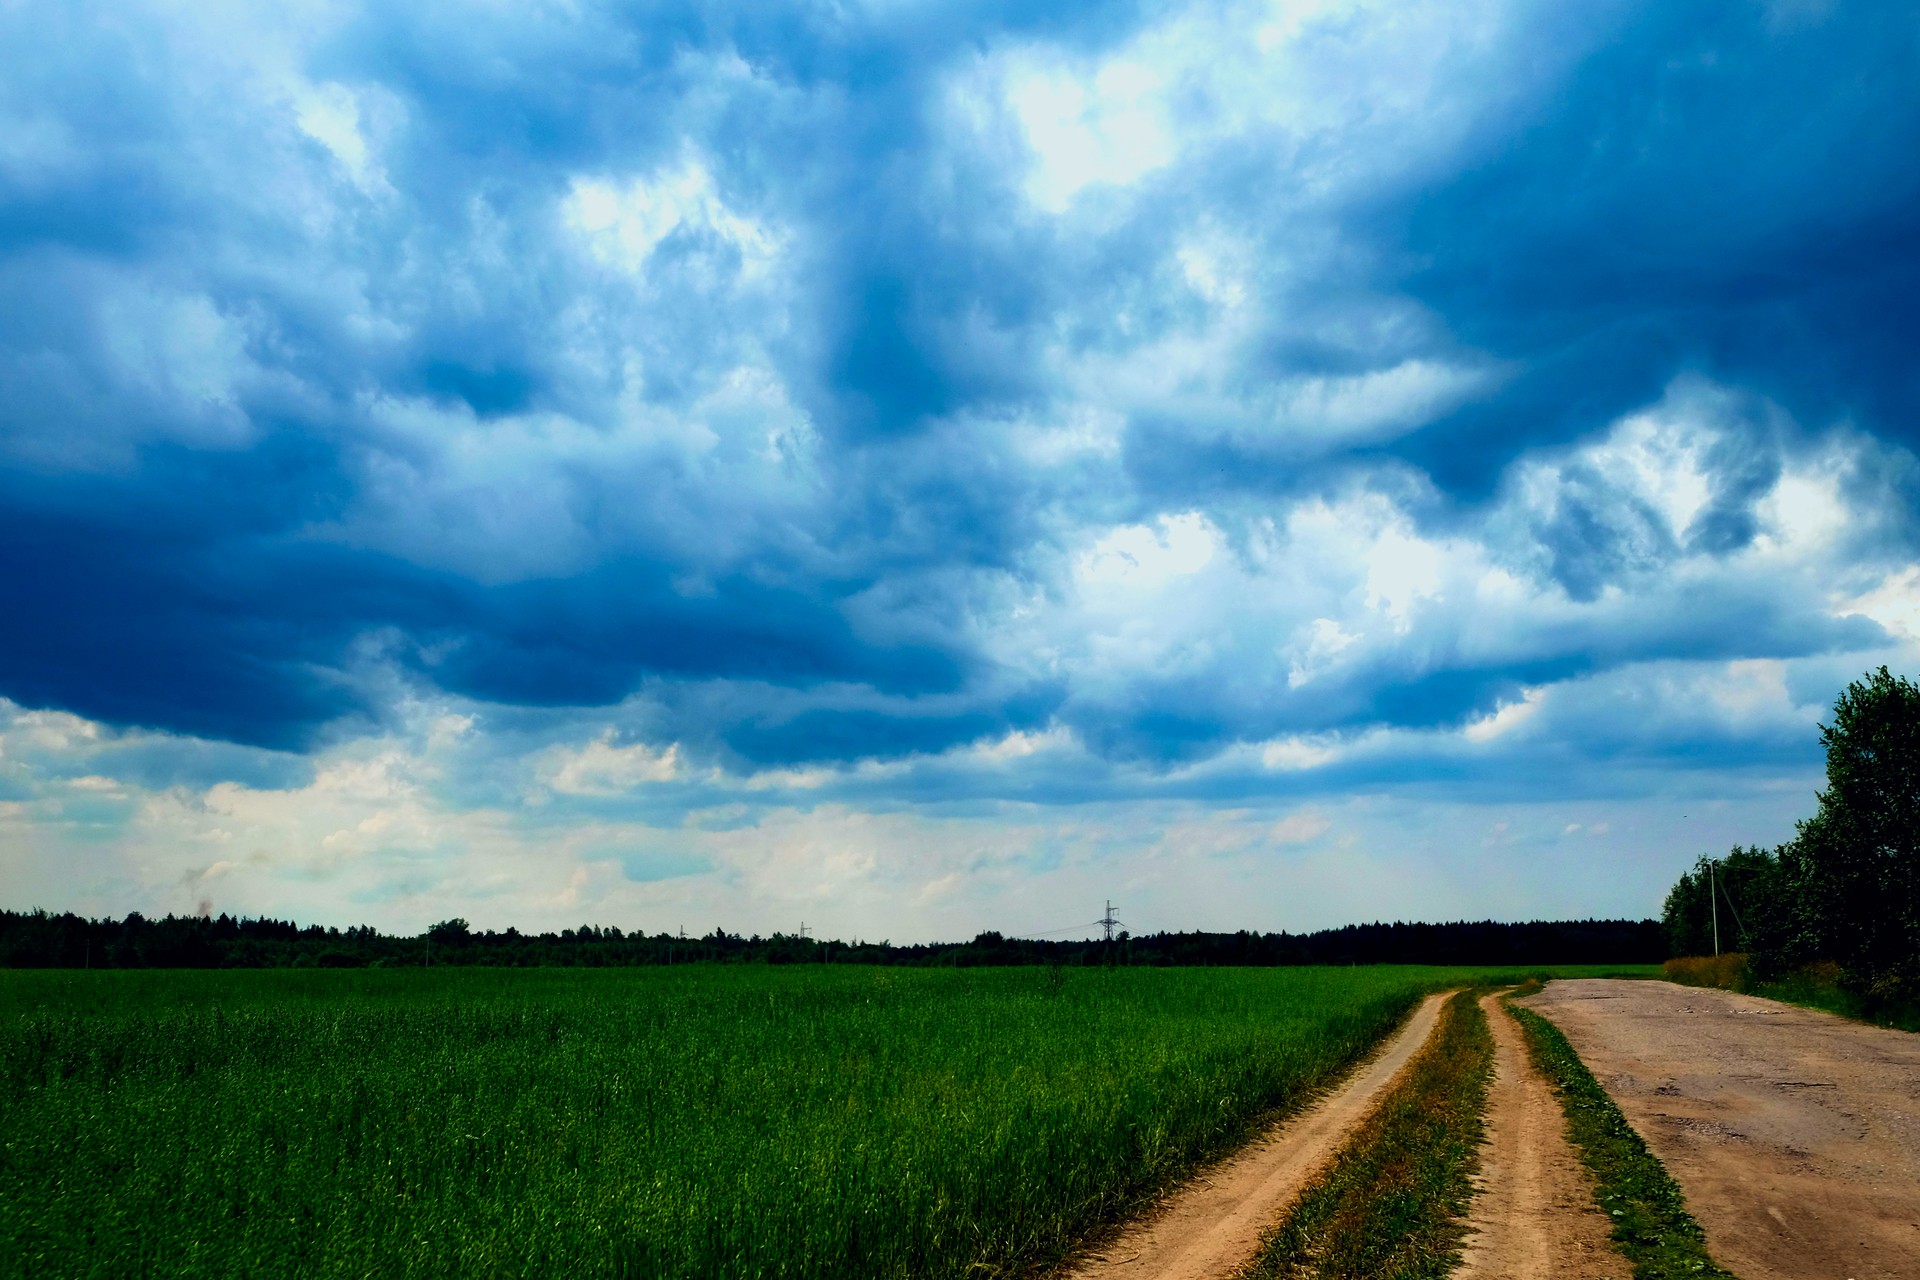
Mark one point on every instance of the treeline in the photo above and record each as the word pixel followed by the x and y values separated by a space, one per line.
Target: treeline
pixel 1845 891
pixel 37 939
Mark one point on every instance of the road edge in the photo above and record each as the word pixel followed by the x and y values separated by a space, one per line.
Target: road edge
pixel 1652 1226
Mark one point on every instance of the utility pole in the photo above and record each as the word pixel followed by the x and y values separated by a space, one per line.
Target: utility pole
pixel 1714 894
pixel 1107 922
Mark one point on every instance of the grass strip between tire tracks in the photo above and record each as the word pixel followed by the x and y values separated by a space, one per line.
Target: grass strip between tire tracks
pixel 1651 1224
pixel 1392 1205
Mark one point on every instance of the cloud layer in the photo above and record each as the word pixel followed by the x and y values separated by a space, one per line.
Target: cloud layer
pixel 451 449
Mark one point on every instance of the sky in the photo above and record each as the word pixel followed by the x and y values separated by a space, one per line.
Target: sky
pixel 912 468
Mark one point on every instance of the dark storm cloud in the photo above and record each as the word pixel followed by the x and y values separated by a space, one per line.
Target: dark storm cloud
pixel 314 358
pixel 149 612
pixel 1727 192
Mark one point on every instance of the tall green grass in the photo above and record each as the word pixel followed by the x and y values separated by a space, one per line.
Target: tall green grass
pixel 700 1122
pixel 660 1122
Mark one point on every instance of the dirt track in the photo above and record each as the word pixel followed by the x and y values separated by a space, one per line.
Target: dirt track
pixel 1212 1226
pixel 1533 1214
pixel 1794 1134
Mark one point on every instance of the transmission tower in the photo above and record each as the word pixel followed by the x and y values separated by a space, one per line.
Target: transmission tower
pixel 1107 921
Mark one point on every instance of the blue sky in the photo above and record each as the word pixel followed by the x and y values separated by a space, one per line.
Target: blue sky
pixel 919 468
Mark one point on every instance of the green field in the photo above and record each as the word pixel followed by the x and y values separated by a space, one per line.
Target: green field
pixel 700 1121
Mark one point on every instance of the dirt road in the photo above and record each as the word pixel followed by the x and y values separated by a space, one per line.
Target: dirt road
pixel 1533 1214
pixel 1212 1226
pixel 1794 1134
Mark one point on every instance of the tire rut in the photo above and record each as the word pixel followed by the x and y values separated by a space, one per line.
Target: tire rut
pixel 1533 1214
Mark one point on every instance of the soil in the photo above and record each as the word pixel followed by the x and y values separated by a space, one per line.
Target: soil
pixel 1794 1134
pixel 1212 1226
pixel 1533 1214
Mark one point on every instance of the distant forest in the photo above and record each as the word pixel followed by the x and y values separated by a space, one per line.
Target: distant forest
pixel 40 940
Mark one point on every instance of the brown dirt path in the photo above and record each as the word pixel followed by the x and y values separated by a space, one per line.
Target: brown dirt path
pixel 1795 1134
pixel 1533 1215
pixel 1211 1227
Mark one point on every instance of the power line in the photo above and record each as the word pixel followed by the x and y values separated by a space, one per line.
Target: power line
pixel 1738 922
pixel 1072 928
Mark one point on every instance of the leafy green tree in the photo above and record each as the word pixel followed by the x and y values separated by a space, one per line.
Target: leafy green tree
pixel 1851 885
pixel 450 933
pixel 1743 881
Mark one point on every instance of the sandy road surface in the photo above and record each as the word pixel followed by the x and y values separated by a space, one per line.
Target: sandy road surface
pixel 1533 1214
pixel 1212 1226
pixel 1794 1134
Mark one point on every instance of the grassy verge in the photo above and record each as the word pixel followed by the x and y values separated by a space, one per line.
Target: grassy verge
pixel 1816 986
pixel 1392 1206
pixel 1815 989
pixel 1650 1219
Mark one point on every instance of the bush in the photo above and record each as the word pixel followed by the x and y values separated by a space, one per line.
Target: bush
pixel 1728 972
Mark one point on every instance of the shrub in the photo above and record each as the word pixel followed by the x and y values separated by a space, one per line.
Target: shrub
pixel 1728 972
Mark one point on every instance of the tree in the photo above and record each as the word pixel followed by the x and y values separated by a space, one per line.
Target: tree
pixel 1743 881
pixel 1852 879
pixel 449 933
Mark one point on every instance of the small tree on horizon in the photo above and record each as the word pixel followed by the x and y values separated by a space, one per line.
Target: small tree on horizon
pixel 450 933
